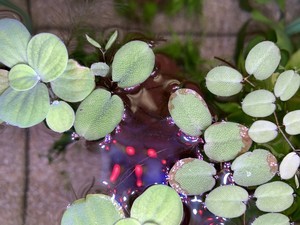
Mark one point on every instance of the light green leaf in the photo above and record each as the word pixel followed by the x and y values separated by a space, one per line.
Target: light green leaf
pixel 47 55
pixel 22 77
pixel 227 201
pixel 263 131
pixel 93 42
pixel 259 103
pixel 60 117
pixel 75 84
pixel 95 209
pixel 14 38
pixel 274 197
pixel 156 205
pixel 100 69
pixel 25 108
pixel 272 219
pixel 262 60
pixel 111 40
pixel 189 111
pixel 98 114
pixel 291 121
pixel 224 81
pixel 225 140
pixel 287 85
pixel 128 221
pixel 254 168
pixel 289 166
pixel 191 176
pixel 133 64
pixel 3 80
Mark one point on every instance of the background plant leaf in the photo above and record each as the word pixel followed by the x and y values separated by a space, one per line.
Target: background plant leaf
pixel 14 38
pixel 25 108
pixel 75 84
pixel 95 209
pixel 156 205
pixel 98 114
pixel 47 55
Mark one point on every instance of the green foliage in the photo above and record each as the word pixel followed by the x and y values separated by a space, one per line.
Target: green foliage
pixel 156 204
pixel 224 81
pixel 254 168
pixel 60 117
pixel 75 84
pixel 191 176
pixel 94 209
pixel 289 166
pixel 272 219
pixel 225 140
pixel 100 69
pixel 287 84
pixel 14 38
pixel 227 201
pixel 291 121
pixel 98 114
pixel 3 80
pixel 22 77
pixel 111 40
pixel 25 108
pixel 274 197
pixel 47 55
pixel 262 60
pixel 262 131
pixel 189 111
pixel 259 103
pixel 128 221
pixel 133 64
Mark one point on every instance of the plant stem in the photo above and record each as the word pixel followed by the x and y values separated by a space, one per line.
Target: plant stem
pixel 283 134
pixel 246 80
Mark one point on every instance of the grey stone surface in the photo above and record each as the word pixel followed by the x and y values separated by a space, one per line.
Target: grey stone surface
pixel 12 175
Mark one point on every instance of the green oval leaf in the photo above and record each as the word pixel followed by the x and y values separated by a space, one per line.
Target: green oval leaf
pixel 262 131
pixel 100 69
pixel 22 77
pixel 133 64
pixel 259 103
pixel 95 209
pixel 3 80
pixel 128 221
pixel 262 60
pixel 47 55
pixel 224 81
pixel 93 42
pixel 98 114
pixel 272 219
pixel 289 166
pixel 75 84
pixel 189 111
pixel 291 121
pixel 274 197
pixel 60 117
pixel 192 176
pixel 156 205
pixel 225 140
pixel 25 108
pixel 111 40
pixel 287 85
pixel 254 168
pixel 227 201
pixel 14 38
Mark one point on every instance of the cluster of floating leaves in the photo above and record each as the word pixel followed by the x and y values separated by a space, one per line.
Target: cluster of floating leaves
pixel 43 83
